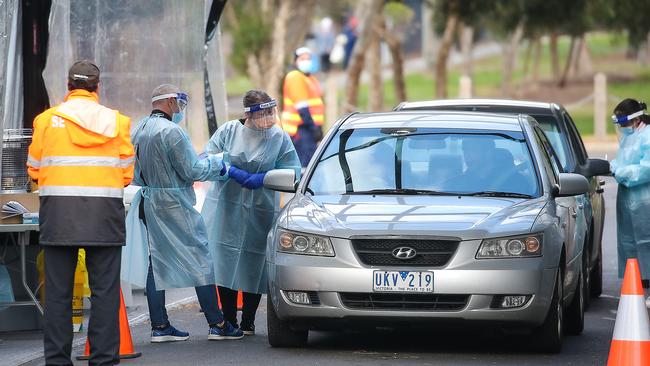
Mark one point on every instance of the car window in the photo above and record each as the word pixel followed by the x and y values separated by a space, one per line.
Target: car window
pixel 558 140
pixel 361 160
pixel 576 139
pixel 551 165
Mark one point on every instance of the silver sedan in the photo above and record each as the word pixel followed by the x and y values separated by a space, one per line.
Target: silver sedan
pixel 429 218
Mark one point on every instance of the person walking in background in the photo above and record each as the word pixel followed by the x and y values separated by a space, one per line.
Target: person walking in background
pixel 631 168
pixel 166 167
pixel 303 111
pixel 325 38
pixel 239 212
pixel 350 33
pixel 82 158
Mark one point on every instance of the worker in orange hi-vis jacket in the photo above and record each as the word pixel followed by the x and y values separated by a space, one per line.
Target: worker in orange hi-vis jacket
pixel 303 111
pixel 82 158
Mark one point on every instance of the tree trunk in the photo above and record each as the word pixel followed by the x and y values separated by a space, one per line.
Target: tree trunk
pixel 575 68
pixel 510 59
pixel 394 44
pixel 367 12
pixel 536 58
pixel 376 92
pixel 466 43
pixel 254 71
pixel 299 25
pixel 555 61
pixel 278 54
pixel 443 53
pixel 567 65
pixel 430 41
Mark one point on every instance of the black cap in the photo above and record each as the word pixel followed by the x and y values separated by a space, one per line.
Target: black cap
pixel 84 72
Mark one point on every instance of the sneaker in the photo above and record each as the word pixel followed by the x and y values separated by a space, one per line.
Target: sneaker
pixel 169 334
pixel 647 302
pixel 248 329
pixel 227 332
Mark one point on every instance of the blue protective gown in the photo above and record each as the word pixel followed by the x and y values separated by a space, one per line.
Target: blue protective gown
pixel 175 235
pixel 631 169
pixel 239 219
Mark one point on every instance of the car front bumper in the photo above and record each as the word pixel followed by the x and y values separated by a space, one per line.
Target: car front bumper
pixel 480 280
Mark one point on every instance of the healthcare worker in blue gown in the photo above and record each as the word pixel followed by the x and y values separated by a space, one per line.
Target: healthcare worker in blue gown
pixel 239 211
pixel 164 232
pixel 631 168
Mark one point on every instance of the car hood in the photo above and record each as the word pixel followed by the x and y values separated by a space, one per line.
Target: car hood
pixel 466 218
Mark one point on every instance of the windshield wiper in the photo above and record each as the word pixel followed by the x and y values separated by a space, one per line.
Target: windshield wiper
pixel 404 191
pixel 498 194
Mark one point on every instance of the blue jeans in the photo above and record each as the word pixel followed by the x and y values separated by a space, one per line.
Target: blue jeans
pixel 207 296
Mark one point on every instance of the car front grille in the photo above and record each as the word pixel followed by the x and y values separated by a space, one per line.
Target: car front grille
pixel 379 252
pixel 388 301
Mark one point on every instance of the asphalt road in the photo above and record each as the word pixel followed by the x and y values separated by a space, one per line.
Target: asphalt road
pixel 387 347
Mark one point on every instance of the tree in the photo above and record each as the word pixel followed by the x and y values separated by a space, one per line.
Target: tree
pixel 392 29
pixel 264 34
pixel 367 11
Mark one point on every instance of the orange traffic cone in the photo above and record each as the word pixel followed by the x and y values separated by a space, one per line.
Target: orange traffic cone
pixel 631 340
pixel 126 343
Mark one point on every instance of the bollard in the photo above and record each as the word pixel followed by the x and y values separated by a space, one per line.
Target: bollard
pixel 600 106
pixel 465 87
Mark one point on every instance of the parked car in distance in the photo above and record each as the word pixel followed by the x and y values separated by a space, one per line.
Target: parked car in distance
pixel 429 218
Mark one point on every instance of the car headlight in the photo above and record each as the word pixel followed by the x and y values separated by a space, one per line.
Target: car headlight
pixel 307 244
pixel 512 247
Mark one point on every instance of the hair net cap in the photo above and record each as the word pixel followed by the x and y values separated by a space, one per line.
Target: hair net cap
pixel 164 89
pixel 302 51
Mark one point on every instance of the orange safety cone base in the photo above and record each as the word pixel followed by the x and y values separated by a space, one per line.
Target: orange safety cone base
pixel 126 343
pixel 629 353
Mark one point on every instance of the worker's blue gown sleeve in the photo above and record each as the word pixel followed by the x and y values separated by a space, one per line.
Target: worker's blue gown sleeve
pixel 172 233
pixel 631 169
pixel 239 219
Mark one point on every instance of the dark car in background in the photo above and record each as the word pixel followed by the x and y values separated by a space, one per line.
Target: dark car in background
pixel 565 139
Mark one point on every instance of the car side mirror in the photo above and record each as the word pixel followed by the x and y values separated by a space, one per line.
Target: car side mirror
pixel 571 184
pixel 595 167
pixel 281 180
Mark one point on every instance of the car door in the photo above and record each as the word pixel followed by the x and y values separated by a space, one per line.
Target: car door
pixel 594 202
pixel 574 224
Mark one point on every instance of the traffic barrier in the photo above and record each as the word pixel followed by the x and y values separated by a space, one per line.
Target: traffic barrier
pixel 631 340
pixel 126 343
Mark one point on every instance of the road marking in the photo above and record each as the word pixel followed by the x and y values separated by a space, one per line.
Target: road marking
pixel 136 320
pixel 610 297
pixel 612 319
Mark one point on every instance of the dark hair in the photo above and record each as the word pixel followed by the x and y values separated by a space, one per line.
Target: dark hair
pixel 253 97
pixel 629 106
pixel 82 84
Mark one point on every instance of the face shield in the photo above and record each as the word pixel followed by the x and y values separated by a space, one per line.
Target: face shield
pixel 623 120
pixel 262 116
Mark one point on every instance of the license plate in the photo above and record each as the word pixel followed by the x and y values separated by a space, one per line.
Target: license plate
pixel 402 281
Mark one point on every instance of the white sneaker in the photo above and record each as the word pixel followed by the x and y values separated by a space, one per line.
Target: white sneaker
pixel 647 302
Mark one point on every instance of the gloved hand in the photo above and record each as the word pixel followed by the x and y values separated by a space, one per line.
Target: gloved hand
pixel 255 181
pixel 238 175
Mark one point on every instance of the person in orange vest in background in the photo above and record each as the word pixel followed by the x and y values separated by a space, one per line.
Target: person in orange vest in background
pixel 303 111
pixel 82 158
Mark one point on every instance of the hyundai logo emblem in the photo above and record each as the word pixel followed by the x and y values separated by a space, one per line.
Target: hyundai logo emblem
pixel 404 253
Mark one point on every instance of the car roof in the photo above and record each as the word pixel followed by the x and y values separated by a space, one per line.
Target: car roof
pixel 517 105
pixel 434 119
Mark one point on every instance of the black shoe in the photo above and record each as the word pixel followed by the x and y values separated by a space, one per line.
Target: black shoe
pixel 645 283
pixel 248 329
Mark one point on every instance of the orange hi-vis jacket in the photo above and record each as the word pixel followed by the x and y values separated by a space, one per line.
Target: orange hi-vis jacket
pixel 82 158
pixel 299 91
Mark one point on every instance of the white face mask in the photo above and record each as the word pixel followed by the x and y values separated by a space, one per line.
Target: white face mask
pixel 304 66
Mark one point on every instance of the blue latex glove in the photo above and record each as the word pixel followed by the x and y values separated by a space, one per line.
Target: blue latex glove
pixel 255 181
pixel 239 175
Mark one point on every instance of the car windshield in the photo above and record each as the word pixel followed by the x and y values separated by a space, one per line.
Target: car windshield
pixel 425 161
pixel 557 139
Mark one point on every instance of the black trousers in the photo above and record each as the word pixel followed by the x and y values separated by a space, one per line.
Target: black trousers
pixel 103 265
pixel 228 298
